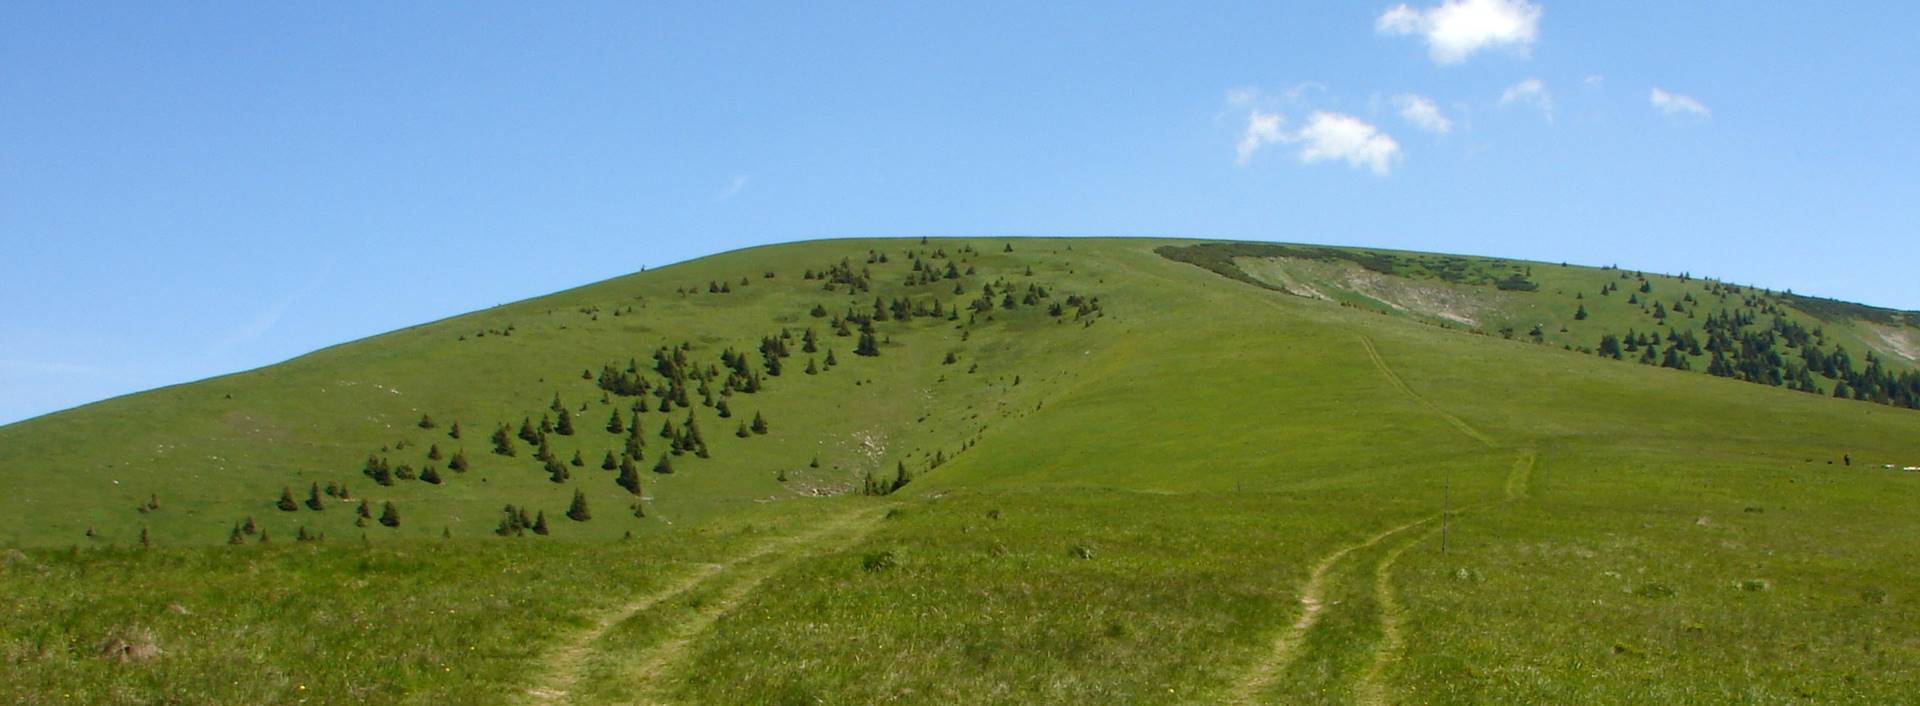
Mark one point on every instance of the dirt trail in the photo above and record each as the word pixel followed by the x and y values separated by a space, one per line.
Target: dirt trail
pixel 646 667
pixel 1371 688
pixel 1312 598
pixel 563 665
pixel 1393 377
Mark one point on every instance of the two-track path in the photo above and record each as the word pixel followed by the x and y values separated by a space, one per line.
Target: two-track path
pixel 1371 688
pixel 733 579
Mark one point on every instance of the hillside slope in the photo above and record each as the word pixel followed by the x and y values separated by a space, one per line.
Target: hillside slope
pixel 1196 490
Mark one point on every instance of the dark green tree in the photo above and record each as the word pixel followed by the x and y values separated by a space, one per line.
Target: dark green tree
pixel 540 523
pixel 759 424
pixel 578 510
pixel 503 441
pixel 664 466
pixel 389 515
pixel 629 477
pixel 313 498
pixel 286 503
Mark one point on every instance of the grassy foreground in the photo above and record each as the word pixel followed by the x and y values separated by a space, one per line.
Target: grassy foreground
pixel 1208 492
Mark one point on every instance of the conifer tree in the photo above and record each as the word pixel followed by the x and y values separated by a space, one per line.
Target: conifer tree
pixel 389 515
pixel 615 425
pixel 433 452
pixel 629 477
pixel 426 422
pixel 564 427
pixel 742 433
pixel 578 510
pixel 286 503
pixel 459 462
pixel 1580 315
pixel 313 498
pixel 556 472
pixel 608 464
pixel 540 523
pixel 577 461
pixel 430 474
pixel 454 433
pixel 867 346
pixel 759 424
pixel 664 466
pixel 366 509
pixel 502 442
pixel 235 537
pixel 901 478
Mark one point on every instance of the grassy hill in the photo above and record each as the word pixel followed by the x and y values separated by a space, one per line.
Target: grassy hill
pixel 1130 479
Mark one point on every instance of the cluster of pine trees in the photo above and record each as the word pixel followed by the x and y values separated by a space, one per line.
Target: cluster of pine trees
pixel 1781 352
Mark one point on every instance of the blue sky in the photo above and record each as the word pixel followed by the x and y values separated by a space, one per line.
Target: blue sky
pixel 188 189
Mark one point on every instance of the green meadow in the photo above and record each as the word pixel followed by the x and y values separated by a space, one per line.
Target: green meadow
pixel 1099 474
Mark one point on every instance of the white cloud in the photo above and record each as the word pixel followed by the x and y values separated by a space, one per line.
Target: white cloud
pixel 1421 112
pixel 1456 29
pixel 1327 137
pixel 1596 80
pixel 1263 128
pixel 1529 92
pixel 1335 136
pixel 1677 104
pixel 1242 95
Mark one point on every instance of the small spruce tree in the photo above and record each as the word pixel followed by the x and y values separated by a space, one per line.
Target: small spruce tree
pixel 389 515
pixel 286 503
pixel 578 510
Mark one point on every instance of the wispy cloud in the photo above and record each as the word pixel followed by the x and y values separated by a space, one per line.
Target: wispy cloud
pixel 1529 92
pixel 1677 105
pixel 1421 112
pixel 265 321
pixel 733 189
pixel 1263 128
pixel 1456 29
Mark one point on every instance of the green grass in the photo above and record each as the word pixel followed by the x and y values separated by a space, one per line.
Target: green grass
pixel 1129 511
